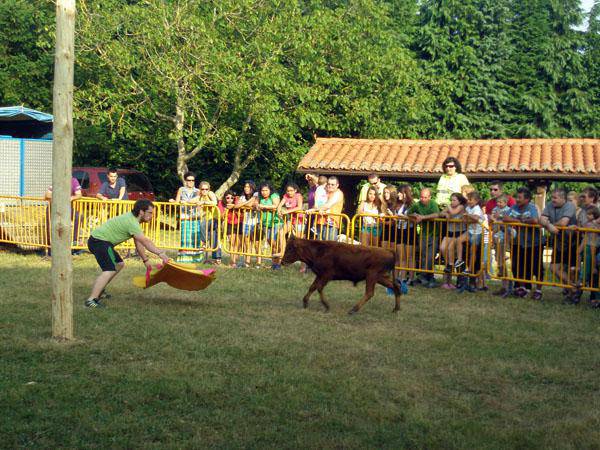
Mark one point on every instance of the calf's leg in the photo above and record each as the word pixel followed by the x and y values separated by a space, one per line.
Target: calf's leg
pixel 319 284
pixel 323 301
pixel 384 280
pixel 369 291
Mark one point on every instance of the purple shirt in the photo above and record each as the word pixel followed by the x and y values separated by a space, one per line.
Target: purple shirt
pixel 74 186
pixel 311 196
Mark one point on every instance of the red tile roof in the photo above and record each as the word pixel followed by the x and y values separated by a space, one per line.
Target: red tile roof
pixel 502 158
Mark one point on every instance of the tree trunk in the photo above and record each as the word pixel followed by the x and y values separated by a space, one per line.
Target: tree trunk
pixel 238 164
pixel 62 154
pixel 179 121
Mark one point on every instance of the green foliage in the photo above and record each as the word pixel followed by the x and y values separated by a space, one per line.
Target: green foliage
pixel 26 53
pixel 257 80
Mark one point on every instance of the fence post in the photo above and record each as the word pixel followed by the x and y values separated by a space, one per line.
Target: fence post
pixel 62 154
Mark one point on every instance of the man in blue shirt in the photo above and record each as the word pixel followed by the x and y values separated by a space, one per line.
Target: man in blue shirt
pixel 526 252
pixel 114 188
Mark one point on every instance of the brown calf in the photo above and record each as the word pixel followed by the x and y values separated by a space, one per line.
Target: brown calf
pixel 337 261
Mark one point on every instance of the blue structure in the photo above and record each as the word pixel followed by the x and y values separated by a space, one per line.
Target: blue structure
pixel 25 151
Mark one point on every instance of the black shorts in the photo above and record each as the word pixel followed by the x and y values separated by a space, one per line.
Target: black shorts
pixel 105 254
pixel 453 234
pixel 234 229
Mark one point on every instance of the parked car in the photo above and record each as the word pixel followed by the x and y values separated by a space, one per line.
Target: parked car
pixel 91 179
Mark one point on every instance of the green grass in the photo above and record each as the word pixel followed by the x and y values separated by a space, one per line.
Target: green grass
pixel 241 364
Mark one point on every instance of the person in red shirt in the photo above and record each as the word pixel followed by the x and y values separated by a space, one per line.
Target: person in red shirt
pixel 232 222
pixel 496 190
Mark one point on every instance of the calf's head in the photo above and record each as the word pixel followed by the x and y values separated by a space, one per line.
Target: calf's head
pixel 291 252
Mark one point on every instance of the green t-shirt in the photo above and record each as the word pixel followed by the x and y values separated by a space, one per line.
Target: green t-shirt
pixel 118 229
pixel 267 216
pixel 425 210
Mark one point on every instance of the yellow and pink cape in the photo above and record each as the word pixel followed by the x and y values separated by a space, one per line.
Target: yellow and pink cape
pixel 179 276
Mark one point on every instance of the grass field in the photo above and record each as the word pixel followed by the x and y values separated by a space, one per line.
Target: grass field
pixel 242 365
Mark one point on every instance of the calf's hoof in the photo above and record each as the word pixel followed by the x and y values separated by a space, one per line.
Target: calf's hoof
pixel 353 311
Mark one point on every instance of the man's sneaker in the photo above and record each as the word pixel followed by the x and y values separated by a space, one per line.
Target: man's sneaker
pixel 507 293
pixel 458 264
pixel 276 267
pixel 536 295
pixel 403 287
pixel 448 268
pixel 94 303
pixel 521 292
pixel 431 284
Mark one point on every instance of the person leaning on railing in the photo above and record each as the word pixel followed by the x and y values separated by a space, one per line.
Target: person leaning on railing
pixel 587 251
pixel 290 210
pixel 370 210
pixel 188 196
pixel 209 228
pixel 270 223
pixel 422 212
pixel 75 218
pixel 526 251
pixel 334 206
pixel 231 217
pixel 559 214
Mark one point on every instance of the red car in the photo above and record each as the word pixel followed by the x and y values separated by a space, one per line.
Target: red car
pixel 91 179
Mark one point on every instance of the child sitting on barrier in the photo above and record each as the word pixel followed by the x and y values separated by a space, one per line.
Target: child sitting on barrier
pixel 472 238
pixel 454 211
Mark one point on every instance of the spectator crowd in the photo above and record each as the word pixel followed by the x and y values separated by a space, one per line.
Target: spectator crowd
pixel 456 229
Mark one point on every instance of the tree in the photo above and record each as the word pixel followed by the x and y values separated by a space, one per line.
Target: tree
pixel 232 83
pixel 26 46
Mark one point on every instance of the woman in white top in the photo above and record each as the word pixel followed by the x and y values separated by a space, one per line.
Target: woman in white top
pixel 450 182
pixel 370 228
pixel 188 196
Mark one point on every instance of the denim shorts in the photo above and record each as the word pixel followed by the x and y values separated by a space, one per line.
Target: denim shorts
pixel 249 229
pixel 475 239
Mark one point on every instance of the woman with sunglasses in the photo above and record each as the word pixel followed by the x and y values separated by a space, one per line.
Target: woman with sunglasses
pixel 188 196
pixel 450 182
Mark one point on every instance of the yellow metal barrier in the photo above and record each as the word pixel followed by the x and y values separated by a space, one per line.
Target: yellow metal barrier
pixel 262 234
pixel 526 253
pixel 177 226
pixel 417 243
pixel 23 221
pixel 252 233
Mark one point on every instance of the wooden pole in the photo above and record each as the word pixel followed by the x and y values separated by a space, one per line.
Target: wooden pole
pixel 62 155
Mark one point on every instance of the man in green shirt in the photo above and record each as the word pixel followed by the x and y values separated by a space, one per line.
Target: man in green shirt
pixel 116 230
pixel 422 212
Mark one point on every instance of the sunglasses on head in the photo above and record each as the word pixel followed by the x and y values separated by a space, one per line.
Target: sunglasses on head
pixel 450 165
pixel 188 179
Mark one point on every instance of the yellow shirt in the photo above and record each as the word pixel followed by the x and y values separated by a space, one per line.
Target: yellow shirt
pixel 448 185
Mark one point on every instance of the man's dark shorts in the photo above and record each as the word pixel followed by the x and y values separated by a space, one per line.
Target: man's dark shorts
pixel 105 254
